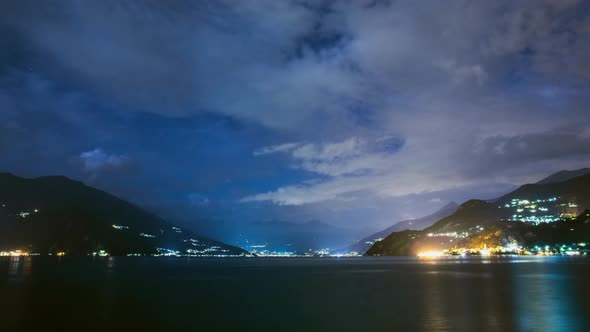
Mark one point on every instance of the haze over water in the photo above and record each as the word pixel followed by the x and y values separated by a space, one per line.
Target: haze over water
pixel 359 294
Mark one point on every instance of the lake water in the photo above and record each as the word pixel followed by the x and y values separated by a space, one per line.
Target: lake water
pixel 307 294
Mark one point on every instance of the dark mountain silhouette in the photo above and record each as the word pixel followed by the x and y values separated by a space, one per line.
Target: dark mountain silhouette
pixel 53 213
pixel 475 218
pixel 413 224
pixel 577 189
pixel 564 176
pixel 298 237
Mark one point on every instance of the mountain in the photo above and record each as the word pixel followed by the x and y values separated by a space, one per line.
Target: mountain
pixel 564 176
pixel 518 214
pixel 413 224
pixel 529 236
pixel 576 189
pixel 296 237
pixel 53 213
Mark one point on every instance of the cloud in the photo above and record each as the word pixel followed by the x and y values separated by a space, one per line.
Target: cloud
pixel 124 54
pixel 296 66
pixel 350 188
pixel 316 151
pixel 497 159
pixel 97 161
pixel 329 151
pixel 461 74
pixel 369 100
pixel 349 156
pixel 276 148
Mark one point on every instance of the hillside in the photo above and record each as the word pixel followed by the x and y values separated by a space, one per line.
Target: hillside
pixel 525 210
pixel 413 224
pixel 470 218
pixel 54 213
pixel 296 237
pixel 564 176
pixel 577 189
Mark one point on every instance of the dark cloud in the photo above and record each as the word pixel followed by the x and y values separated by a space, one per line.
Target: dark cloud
pixel 535 147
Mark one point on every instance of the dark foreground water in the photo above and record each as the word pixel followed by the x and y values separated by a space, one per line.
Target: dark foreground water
pixel 358 294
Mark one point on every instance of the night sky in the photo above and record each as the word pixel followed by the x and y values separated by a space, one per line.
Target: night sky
pixel 221 114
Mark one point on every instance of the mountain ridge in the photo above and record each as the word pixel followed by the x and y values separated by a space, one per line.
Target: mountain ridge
pixel 564 175
pixel 411 224
pixel 55 213
pixel 563 200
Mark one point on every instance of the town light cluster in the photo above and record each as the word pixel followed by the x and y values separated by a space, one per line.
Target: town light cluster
pixel 540 211
pixel 574 249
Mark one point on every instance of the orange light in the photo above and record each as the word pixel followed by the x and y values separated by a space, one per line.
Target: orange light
pixel 430 254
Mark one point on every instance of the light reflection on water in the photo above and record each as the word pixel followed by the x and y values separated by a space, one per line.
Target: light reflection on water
pixel 366 294
pixel 546 301
pixel 434 306
pixel 18 267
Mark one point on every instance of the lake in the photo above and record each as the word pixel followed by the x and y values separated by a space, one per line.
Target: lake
pixel 295 294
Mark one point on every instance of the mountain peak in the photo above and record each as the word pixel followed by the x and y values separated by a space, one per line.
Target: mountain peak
pixel 450 205
pixel 564 175
pixel 474 203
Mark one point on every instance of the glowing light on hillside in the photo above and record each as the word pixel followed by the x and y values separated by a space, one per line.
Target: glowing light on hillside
pixel 430 254
pixel 14 253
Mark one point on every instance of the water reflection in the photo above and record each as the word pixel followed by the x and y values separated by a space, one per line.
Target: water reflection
pixel 27 265
pixel 13 267
pixel 493 295
pixel 546 300
pixel 110 266
pixel 300 295
pixel 435 318
pixel 19 268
